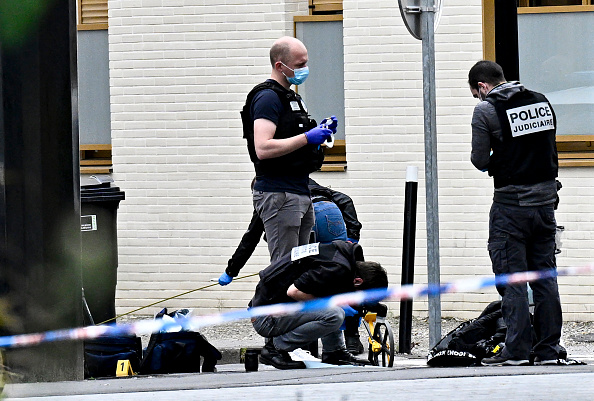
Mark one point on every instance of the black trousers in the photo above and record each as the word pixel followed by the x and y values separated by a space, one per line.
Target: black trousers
pixel 522 238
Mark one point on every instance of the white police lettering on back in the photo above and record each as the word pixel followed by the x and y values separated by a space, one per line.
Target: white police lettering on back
pixel 300 252
pixel 529 119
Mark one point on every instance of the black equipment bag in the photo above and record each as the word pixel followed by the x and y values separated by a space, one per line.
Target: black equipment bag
pixel 442 355
pixel 178 352
pixel 102 354
pixel 471 341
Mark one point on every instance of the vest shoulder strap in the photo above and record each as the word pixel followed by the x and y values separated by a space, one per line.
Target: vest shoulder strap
pixel 283 94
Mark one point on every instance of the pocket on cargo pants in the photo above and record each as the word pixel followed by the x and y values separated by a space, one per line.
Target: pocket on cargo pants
pixel 498 253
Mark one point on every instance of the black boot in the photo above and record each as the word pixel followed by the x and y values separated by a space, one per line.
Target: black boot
pixel 351 335
pixel 342 357
pixel 279 359
pixel 353 344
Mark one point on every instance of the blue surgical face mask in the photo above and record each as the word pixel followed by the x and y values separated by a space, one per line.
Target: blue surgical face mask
pixel 300 75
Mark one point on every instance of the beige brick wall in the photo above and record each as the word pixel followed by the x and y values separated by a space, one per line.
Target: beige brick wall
pixel 180 71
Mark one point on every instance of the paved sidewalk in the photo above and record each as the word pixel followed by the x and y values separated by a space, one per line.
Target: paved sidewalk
pixel 231 382
pixel 410 375
pixel 230 338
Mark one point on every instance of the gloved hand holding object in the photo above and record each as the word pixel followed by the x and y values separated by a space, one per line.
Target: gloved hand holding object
pixel 225 279
pixel 318 135
pixel 331 123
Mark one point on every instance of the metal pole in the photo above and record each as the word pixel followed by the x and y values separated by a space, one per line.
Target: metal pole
pixel 408 257
pixel 427 27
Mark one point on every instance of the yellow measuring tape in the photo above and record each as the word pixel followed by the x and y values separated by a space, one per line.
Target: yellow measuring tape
pixel 167 299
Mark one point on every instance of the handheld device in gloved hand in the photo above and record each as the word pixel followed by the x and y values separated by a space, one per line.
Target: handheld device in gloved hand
pixel 331 123
pixel 318 135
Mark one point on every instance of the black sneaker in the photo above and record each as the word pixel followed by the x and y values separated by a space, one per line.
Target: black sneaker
pixel 279 359
pixel 353 344
pixel 500 360
pixel 342 357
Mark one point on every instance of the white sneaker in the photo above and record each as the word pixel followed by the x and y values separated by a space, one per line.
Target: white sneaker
pixel 539 362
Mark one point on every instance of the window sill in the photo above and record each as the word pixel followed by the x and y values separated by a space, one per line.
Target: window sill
pixel 555 9
pixel 95 159
pixel 575 150
pixel 335 157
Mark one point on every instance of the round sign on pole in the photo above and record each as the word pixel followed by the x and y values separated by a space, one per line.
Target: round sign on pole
pixel 411 14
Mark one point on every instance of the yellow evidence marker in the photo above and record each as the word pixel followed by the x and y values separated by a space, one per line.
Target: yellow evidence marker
pixel 124 368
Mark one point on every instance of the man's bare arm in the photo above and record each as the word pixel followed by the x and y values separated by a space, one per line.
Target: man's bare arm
pixel 298 295
pixel 267 147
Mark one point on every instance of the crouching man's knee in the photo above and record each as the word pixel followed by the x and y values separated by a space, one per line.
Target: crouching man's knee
pixel 334 317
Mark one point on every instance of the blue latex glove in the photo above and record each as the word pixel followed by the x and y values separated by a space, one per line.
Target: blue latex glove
pixel 331 123
pixel 354 241
pixel 349 311
pixel 225 279
pixel 317 135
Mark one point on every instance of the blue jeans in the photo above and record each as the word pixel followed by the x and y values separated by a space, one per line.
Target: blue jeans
pixel 329 224
pixel 522 238
pixel 297 331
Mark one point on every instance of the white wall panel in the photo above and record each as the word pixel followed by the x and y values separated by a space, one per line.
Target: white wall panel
pixel 179 74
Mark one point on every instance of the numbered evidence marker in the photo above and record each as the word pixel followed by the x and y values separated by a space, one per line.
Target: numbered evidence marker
pixel 124 368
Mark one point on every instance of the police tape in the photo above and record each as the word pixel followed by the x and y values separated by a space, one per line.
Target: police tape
pixel 404 292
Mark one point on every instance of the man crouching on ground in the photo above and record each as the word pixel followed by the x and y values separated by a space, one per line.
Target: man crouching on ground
pixel 327 270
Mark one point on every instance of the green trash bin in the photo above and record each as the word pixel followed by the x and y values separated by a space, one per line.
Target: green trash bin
pixel 99 204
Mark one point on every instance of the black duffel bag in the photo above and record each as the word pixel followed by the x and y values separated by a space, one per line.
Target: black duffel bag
pixel 103 353
pixel 178 352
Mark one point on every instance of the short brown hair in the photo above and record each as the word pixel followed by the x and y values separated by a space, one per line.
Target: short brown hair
pixel 280 51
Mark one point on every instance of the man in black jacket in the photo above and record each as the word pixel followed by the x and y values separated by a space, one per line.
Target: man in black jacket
pixel 324 270
pixel 513 137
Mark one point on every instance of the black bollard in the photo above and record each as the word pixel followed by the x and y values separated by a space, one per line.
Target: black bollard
pixel 408 257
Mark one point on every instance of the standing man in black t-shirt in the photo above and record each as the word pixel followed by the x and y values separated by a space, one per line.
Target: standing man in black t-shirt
pixel 513 138
pixel 283 143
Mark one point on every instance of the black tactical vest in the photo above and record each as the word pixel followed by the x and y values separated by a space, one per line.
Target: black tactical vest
pixel 293 121
pixel 528 153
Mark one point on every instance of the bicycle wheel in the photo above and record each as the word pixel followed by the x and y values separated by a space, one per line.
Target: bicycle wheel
pixel 385 337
